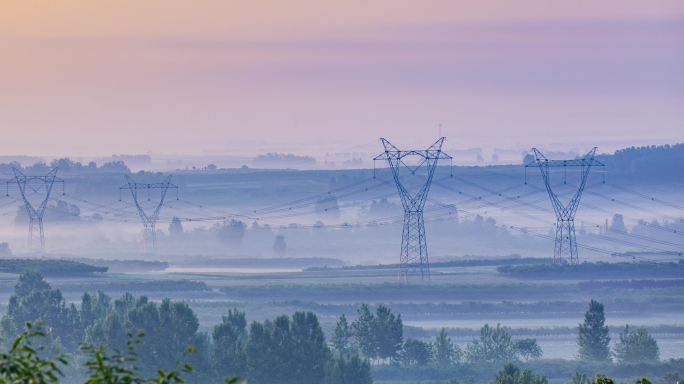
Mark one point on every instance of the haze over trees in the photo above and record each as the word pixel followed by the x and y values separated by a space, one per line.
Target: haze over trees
pixel 148 340
pixel 636 345
pixel 283 350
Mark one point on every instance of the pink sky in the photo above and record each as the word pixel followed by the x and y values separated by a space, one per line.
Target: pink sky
pixel 86 78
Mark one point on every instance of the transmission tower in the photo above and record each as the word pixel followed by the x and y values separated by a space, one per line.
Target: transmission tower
pixel 149 221
pixel 565 250
pixel 35 185
pixel 414 252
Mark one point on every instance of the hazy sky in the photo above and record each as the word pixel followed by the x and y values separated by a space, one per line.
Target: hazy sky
pixel 83 77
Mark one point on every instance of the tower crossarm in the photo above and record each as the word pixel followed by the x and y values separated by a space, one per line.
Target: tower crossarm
pixel 587 160
pixel 32 184
pixel 428 158
pixel 24 181
pixel 148 220
pixel 164 188
pixel 134 187
pixel 565 211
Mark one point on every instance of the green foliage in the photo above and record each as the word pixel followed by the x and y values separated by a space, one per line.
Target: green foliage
pixel 636 346
pixel 601 379
pixel 114 367
pixel 495 345
pixel 511 374
pixel 378 335
pixel 388 330
pixel 528 349
pixel 287 351
pixel 445 352
pixel 348 370
pixel 342 336
pixel 170 328
pixel 416 353
pixel 593 337
pixel 363 331
pixel 94 307
pixel 48 267
pixel 230 338
pixel 34 300
pixel 22 363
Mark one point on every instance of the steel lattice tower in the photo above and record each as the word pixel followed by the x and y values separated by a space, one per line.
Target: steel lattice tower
pixel 149 221
pixel 29 185
pixel 565 250
pixel 414 252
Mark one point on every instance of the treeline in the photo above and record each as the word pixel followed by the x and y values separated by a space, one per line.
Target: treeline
pixel 67 166
pixel 632 284
pixel 649 162
pixel 599 270
pixel 284 350
pixel 635 353
pixel 126 265
pixel 288 349
pixel 49 267
pixel 379 336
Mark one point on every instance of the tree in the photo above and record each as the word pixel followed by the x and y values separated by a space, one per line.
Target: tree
pixel 348 370
pixel 5 250
pixel 309 350
pixel 93 307
pixel 636 346
pixel 580 378
pixel 495 345
pixel 388 331
pixel 416 353
pixel 175 228
pixel 35 300
pixel 510 374
pixel 229 338
pixel 528 349
pixel 232 232
pixel 287 351
pixel 170 329
pixel 260 368
pixel 618 223
pixel 115 367
pixel 601 379
pixel 342 336
pixel 363 331
pixel 279 245
pixel 593 337
pixel 444 351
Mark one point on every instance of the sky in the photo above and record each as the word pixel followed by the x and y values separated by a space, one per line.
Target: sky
pixel 211 77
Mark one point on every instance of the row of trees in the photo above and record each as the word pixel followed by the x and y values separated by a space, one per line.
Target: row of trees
pixel 633 346
pixel 284 350
pixel 379 337
pixel 511 374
